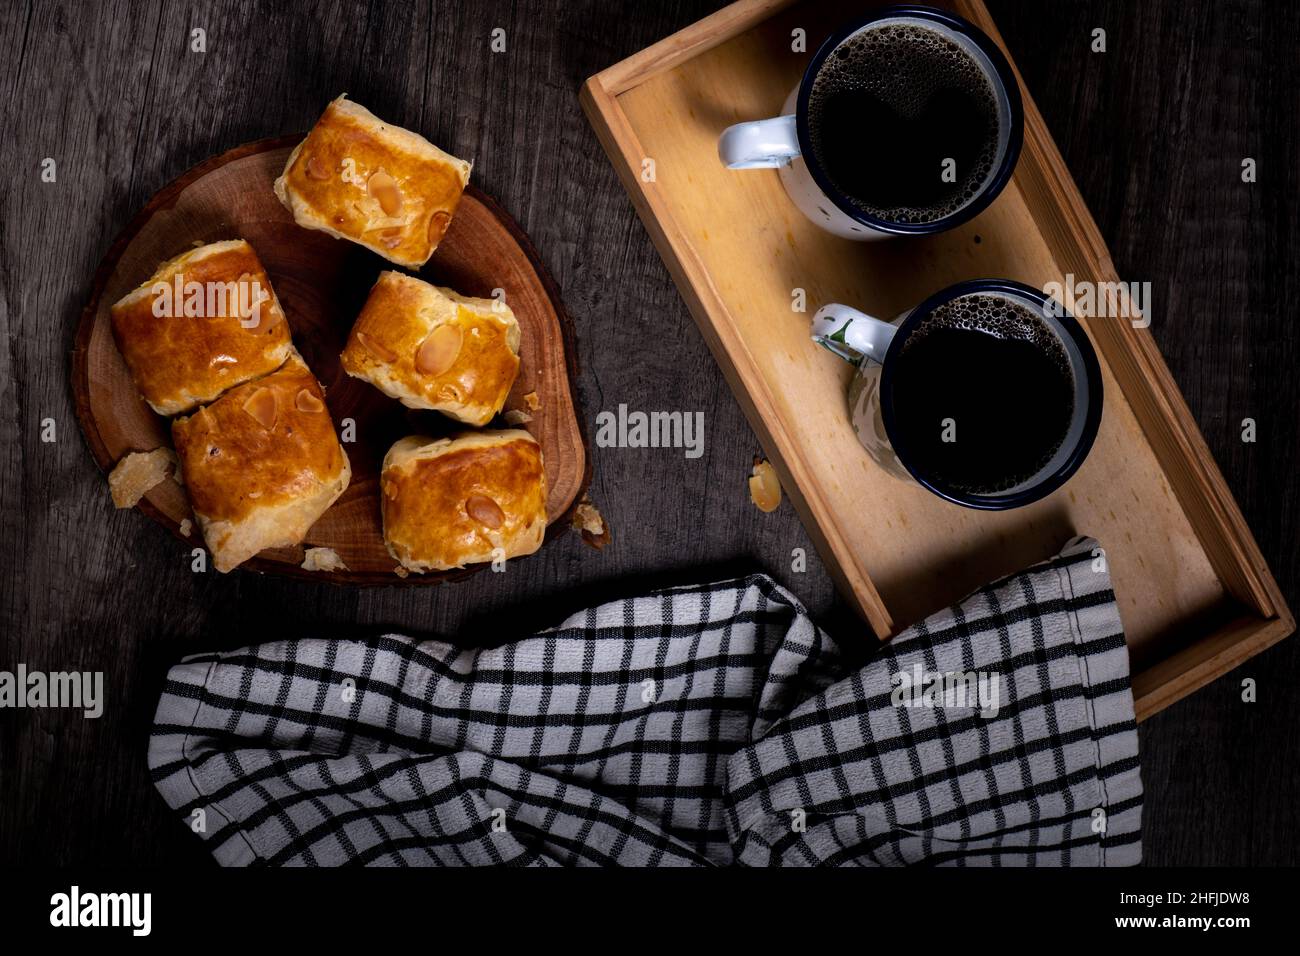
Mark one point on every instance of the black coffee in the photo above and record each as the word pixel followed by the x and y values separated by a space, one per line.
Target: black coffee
pixel 983 395
pixel 888 108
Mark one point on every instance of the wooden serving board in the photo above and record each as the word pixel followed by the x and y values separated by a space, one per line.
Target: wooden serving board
pixel 1194 592
pixel 322 283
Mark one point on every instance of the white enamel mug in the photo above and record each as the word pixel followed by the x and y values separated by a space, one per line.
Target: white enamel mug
pixel 872 345
pixel 783 142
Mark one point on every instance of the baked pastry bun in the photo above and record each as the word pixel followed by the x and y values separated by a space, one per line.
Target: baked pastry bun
pixel 456 501
pixel 432 348
pixel 357 177
pixel 261 464
pixel 205 321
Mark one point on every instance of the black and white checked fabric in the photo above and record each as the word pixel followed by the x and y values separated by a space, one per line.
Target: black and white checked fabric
pixel 701 725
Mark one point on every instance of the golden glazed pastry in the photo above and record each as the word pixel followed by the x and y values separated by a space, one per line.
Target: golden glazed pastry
pixel 261 464
pixel 432 348
pixel 357 177
pixel 455 501
pixel 206 321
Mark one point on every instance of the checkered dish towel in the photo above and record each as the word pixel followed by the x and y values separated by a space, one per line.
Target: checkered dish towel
pixel 700 725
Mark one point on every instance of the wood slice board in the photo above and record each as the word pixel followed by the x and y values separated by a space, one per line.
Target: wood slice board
pixel 1194 592
pixel 322 283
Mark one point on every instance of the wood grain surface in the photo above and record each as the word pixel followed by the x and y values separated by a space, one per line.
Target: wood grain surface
pixel 1184 567
pixel 1154 131
pixel 322 283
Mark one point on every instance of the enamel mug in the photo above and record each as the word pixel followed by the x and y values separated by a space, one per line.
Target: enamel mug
pixel 872 345
pixel 783 142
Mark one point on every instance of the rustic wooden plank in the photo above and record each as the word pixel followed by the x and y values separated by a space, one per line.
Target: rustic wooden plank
pixel 1191 90
pixel 703 35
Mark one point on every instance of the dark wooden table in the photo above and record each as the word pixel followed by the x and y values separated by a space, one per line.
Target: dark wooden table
pixel 1154 130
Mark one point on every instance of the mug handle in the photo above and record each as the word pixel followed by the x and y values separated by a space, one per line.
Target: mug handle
pixel 852 335
pixel 761 144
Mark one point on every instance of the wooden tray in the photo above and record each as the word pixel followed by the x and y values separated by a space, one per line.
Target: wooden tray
pixel 322 283
pixel 1194 592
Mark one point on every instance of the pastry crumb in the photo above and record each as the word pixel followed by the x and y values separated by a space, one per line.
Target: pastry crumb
pixel 591 524
pixel 532 401
pixel 517 416
pixel 764 486
pixel 401 572
pixel 136 474
pixel 322 559
pixel 186 526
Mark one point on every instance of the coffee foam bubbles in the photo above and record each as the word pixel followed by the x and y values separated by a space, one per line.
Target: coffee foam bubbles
pixel 904 65
pixel 998 317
